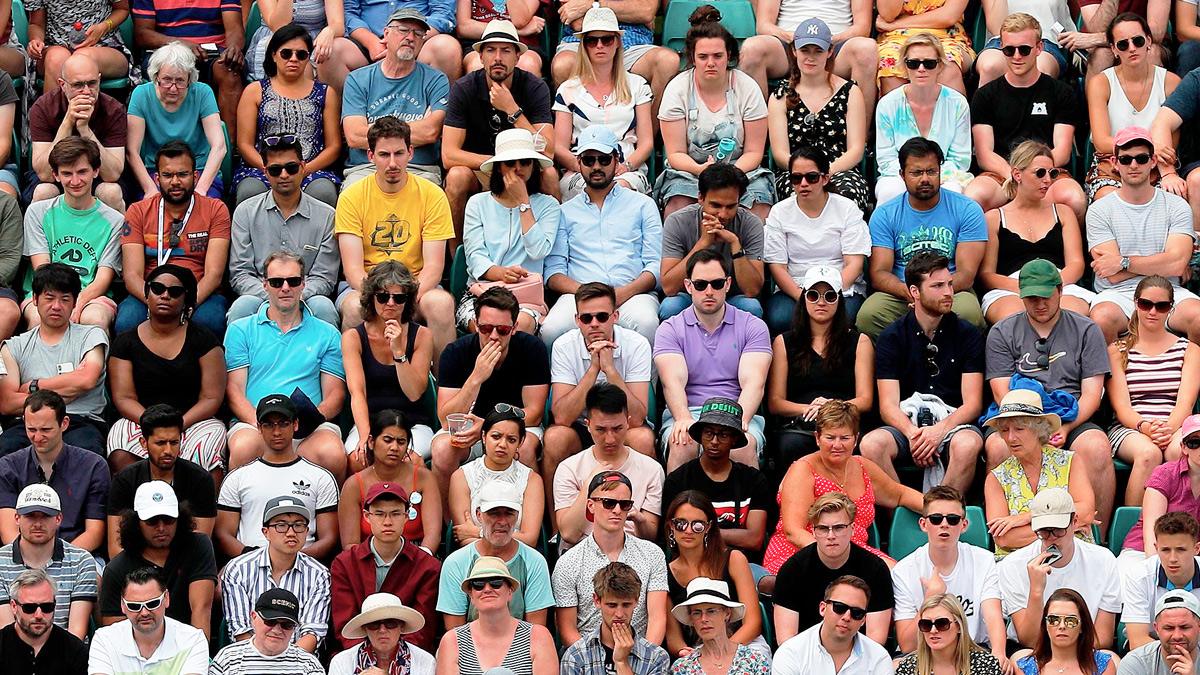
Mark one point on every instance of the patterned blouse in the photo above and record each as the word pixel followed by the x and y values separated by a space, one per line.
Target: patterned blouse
pixel 746 661
pixel 1055 473
pixel 982 663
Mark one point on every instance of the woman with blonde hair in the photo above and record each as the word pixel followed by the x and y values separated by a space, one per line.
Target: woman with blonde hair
pixel 1029 227
pixel 945 646
pixel 601 91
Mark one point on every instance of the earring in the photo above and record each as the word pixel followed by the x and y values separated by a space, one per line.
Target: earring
pixel 671 539
pixel 706 539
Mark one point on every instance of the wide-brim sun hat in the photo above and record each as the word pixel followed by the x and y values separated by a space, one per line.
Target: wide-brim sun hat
pixel 705 591
pixel 1023 403
pixel 503 31
pixel 512 144
pixel 600 20
pixel 489 567
pixel 380 606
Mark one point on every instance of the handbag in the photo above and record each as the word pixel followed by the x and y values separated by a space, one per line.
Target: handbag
pixel 530 291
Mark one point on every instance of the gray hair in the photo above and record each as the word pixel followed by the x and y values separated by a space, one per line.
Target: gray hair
pixel 28 579
pixel 286 256
pixel 1039 425
pixel 173 55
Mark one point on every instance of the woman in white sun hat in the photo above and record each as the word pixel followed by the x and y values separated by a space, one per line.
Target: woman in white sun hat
pixel 383 622
pixel 709 610
pixel 509 230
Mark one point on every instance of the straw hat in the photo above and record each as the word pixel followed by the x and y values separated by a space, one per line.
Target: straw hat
pixel 515 144
pixel 1023 403
pixel 501 30
pixel 489 567
pixel 600 20
pixel 380 606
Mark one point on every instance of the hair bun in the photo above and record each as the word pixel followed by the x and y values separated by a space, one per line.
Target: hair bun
pixel 705 14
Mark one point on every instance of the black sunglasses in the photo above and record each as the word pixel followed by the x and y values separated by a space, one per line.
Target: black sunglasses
pixel 931 352
pixel 1042 171
pixel 278 282
pixel 159 288
pixel 703 284
pixel 479 584
pixel 812 177
pixel 1043 349
pixel 917 64
pixel 1140 158
pixel 287 54
pixel 1138 41
pixel 593 160
pixel 292 168
pixel 829 297
pixel 1025 50
pixel 390 624
pixel 382 297
pixel 286 624
pixel 31 607
pixel 1192 443
pixel 606 40
pixel 942 625
pixel 840 608
pixel 1050 532
pixel 523 162
pixel 610 504
pixel 937 518
pixel 1162 306
pixel 598 317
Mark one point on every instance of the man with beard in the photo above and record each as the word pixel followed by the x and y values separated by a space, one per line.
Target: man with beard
pixel 162 434
pixel 156 532
pixel 150 642
pixel 924 218
pixel 33 644
pixel 1177 622
pixel 711 349
pixel 485 102
pixel 398 86
pixel 395 216
pixel 363 21
pixel 931 354
pixel 176 225
pixel 606 233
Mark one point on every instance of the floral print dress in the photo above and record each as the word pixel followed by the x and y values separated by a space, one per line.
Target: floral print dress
pixel 824 129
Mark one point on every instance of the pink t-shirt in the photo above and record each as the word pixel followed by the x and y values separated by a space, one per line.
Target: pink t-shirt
pixel 1171 479
pixel 645 474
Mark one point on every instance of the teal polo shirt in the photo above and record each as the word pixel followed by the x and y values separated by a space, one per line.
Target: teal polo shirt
pixel 279 362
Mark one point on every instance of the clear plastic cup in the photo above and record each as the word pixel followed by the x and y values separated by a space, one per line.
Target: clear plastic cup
pixel 456 423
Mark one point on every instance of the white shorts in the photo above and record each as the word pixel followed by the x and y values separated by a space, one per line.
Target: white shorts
pixel 1070 290
pixel 422 436
pixel 325 426
pixel 1124 299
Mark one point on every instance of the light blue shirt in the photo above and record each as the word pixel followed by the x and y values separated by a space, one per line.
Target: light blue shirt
pixel 371 94
pixel 895 224
pixel 183 124
pixel 492 234
pixel 278 363
pixel 895 123
pixel 528 566
pixel 614 243
pixel 373 14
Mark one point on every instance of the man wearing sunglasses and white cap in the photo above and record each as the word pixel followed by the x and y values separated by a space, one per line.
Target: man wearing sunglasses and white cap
pixel 835 645
pixel 383 622
pixel 275 617
pixel 1177 622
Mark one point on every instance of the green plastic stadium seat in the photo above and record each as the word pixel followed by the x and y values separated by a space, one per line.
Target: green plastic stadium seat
pixel 458 273
pixel 1123 521
pixel 736 15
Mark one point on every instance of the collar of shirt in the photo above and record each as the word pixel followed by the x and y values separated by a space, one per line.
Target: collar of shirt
pixel 59 553
pixel 61 464
pixel 613 195
pixel 1181 466
pixel 302 208
pixel 263 561
pixel 1193 583
pixel 379 561
pixel 127 645
pixel 912 327
pixel 856 651
pixel 366 551
pixel 642 650
pixel 690 318
pixel 587 354
pixel 261 317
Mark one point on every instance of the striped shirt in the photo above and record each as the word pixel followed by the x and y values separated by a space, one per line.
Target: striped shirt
pixel 72 569
pixel 249 575
pixel 198 21
pixel 243 657
pixel 518 658
pixel 1153 380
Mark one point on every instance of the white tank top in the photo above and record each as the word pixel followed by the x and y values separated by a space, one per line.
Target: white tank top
pixel 1121 113
pixel 835 13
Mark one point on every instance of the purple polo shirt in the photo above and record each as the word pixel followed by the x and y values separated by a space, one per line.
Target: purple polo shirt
pixel 712 358
pixel 1171 479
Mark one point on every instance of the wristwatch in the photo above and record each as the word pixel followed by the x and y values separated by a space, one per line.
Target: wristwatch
pixel 400 359
pixel 512 119
pixel 1125 263
pixel 33 385
pixel 739 254
pixel 524 207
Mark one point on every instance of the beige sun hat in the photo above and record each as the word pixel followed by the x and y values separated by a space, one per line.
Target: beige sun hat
pixel 600 20
pixel 1023 403
pixel 380 606
pixel 489 567
pixel 515 144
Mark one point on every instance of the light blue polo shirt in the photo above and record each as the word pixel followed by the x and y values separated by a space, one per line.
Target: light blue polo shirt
pixel 279 362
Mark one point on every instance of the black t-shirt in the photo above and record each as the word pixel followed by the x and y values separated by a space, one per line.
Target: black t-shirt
pixel 470 108
pixel 820 379
pixel 191 559
pixel 1019 114
pixel 800 584
pixel 526 364
pixel 63 653
pixel 193 487
pixel 172 381
pixel 744 491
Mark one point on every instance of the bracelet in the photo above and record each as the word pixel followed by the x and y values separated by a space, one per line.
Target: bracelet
pixel 108 24
pixel 1138 427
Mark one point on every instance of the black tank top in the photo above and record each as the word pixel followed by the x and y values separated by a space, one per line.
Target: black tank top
pixel 1014 251
pixel 383 389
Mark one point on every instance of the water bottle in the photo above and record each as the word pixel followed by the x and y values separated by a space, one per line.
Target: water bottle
pixel 77 34
pixel 725 148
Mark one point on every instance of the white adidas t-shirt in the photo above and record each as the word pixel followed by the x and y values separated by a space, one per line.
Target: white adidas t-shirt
pixel 973 580
pixel 248 489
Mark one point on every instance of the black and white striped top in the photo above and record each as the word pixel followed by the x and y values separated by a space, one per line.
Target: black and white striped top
pixel 242 657
pixel 519 658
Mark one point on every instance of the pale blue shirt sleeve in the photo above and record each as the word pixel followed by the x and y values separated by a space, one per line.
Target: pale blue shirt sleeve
pixel 331 359
pixel 958 155
pixel 539 594
pixel 441 15
pixel 556 261
pixel 354 17
pixel 451 599
pixel 886 157
pixel 354 93
pixel 478 260
pixel 652 236
pixel 237 343
pixel 972 225
pixel 539 240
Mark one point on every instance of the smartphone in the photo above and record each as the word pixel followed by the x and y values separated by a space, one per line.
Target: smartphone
pixel 1054 554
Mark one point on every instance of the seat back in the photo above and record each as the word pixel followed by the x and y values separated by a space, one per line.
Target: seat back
pixel 1123 521
pixel 736 15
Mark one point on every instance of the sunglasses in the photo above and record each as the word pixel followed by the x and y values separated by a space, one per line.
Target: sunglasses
pixel 149 605
pixel 489 328
pixel 1068 621
pixel 1050 532
pixel 931 352
pixel 840 608
pixel 390 624
pixel 683 525
pixel 505 409
pixel 31 607
pixel 479 584
pixel 286 624
pixel 295 526
pixel 1024 50
pixel 382 297
pixel 1191 443
pixel 598 317
pixel 1043 350
pixel 703 284
pixel 606 40
pixel 937 518
pixel 917 64
pixel 287 54
pixel 159 288
pixel 941 625
pixel 812 178
pixel 593 160
pixel 281 139
pixel 829 297
pixel 278 282
pixel 1042 171
pixel 523 162
pixel 1140 158
pixel 1161 306
pixel 610 504
pixel 292 168
pixel 1138 41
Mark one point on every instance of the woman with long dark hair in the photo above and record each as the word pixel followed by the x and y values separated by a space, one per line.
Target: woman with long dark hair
pixel 1066 644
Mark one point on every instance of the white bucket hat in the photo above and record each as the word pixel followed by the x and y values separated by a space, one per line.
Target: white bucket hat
pixel 515 144
pixel 380 606
pixel 705 591
pixel 501 30
pixel 600 20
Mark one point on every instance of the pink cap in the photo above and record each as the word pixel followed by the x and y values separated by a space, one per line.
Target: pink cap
pixel 1130 134
pixel 1190 426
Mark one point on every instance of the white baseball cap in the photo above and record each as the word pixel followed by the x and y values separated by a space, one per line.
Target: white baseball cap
pixel 822 274
pixel 499 493
pixel 38 498
pixel 155 498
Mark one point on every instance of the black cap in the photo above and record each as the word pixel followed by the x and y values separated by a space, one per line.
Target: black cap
pixel 278 603
pixel 720 412
pixel 276 404
pixel 608 477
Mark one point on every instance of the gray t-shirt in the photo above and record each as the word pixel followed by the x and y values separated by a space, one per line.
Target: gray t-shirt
pixel 38 360
pixel 1075 347
pixel 1148 660
pixel 1138 229
pixel 681 231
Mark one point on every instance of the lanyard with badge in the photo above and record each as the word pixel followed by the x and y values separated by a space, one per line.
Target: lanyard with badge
pixel 164 256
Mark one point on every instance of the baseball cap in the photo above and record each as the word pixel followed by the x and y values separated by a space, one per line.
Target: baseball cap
pixel 278 603
pixel 496 494
pixel 408 14
pixel 608 477
pixel 1130 134
pixel 155 498
pixel 275 404
pixel 1051 507
pixel 596 137
pixel 822 274
pixel 1038 279
pixel 38 498
pixel 1177 599
pixel 380 489
pixel 285 504
pixel 813 32
pixel 1190 426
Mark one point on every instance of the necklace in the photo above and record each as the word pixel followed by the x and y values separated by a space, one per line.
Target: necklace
pixel 845 473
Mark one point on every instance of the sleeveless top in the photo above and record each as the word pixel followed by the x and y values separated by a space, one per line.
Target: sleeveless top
pixel 383 389
pixel 1014 250
pixel 1055 473
pixel 1121 112
pixel 820 380
pixel 1028 664
pixel 414 530
pixel 1153 381
pixel 477 475
pixel 677 593
pixel 519 658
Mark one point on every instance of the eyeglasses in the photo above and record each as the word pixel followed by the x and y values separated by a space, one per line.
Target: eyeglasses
pixel 812 178
pixel 294 526
pixel 1041 172
pixel 1191 443
pixel 606 40
pixel 522 162
pixel 1067 621
pixel 148 605
pixel 86 84
pixel 509 409
pixel 1161 306
pixel 489 328
pixel 278 424
pixel 829 297
pixel 394 514
pixel 931 352
pixel 1010 50
pixel 1138 41
pixel 1140 158
pixel 280 139
pixel 159 288
pixel 287 54
pixel 826 530
pixel 1050 532
pixel 703 284
pixel 937 518
pixel 593 160
pixel 715 432
pixel 683 525
pixel 610 504
pixel 31 607
pixel 941 625
pixel 278 282
pixel 917 64
pixel 292 168
pixel 286 624
pixel 382 297
pixel 598 317
pixel 389 624
pixel 164 82
pixel 1043 349
pixel 840 608
pixel 176 175
pixel 415 32
pixel 497 583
